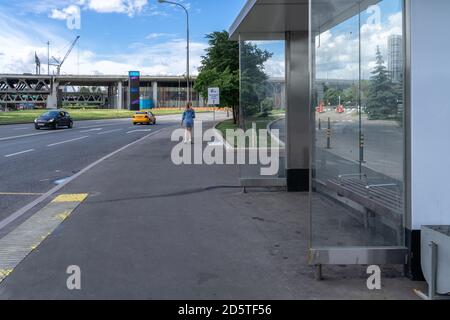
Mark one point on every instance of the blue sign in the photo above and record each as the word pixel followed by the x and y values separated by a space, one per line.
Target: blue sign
pixel 134 85
pixel 134 74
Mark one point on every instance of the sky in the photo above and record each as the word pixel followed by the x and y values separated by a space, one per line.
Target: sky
pixel 337 52
pixel 122 35
pixel 116 35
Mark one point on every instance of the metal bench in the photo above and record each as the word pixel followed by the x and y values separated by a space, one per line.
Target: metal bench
pixel 377 199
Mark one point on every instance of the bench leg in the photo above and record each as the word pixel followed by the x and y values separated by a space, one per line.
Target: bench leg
pixel 400 236
pixel 369 217
pixel 318 272
pixel 366 218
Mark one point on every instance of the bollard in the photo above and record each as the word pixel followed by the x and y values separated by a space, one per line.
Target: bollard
pixel 329 134
pixel 320 124
pixel 361 148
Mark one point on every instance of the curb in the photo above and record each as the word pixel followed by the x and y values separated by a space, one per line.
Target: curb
pixel 219 136
pixel 277 139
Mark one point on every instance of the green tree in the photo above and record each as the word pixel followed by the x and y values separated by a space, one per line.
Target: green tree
pixel 350 98
pixel 267 106
pixel 383 96
pixel 253 78
pixel 331 96
pixel 220 68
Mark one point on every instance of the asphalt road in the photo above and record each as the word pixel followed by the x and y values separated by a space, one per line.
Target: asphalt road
pixel 184 232
pixel 383 152
pixel 32 162
pixel 383 144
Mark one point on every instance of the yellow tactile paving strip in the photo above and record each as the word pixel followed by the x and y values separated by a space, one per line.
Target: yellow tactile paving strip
pixel 70 198
pixel 20 242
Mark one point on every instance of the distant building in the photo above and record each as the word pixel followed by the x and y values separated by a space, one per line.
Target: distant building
pixel 395 57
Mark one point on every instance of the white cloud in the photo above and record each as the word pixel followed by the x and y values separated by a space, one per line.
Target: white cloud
pixel 130 7
pixel 338 54
pixel 64 13
pixel 19 41
pixel 155 35
pixel 275 67
pixel 168 58
pixel 21 38
pixel 19 45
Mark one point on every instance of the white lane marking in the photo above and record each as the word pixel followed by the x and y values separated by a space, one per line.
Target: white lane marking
pixel 172 118
pixel 21 128
pixel 17 153
pixel 90 130
pixel 20 194
pixel 110 131
pixel 55 189
pixel 132 131
pixel 27 135
pixel 101 125
pixel 67 141
pixel 58 131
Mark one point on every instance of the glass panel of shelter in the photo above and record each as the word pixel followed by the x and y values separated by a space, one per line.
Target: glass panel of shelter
pixel 357 197
pixel 263 107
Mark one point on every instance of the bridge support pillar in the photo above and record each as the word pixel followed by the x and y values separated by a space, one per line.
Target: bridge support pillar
pixel 155 93
pixel 119 95
pixel 52 99
pixel 110 104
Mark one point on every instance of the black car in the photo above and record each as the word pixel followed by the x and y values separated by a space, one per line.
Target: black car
pixel 53 120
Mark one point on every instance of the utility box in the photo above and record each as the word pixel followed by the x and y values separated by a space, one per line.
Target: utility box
pixel 435 258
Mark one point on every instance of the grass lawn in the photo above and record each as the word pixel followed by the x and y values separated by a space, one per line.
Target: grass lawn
pixel 28 116
pixel 261 123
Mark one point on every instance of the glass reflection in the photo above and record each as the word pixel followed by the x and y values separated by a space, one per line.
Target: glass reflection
pixel 263 101
pixel 358 148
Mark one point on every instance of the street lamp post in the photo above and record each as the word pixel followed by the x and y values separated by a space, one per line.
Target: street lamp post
pixel 187 48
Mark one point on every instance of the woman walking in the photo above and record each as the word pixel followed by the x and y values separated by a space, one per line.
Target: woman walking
pixel 188 122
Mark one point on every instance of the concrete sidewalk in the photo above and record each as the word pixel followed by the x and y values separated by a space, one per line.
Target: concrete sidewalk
pixel 153 230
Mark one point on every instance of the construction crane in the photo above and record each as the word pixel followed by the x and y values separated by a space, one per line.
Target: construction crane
pixel 58 64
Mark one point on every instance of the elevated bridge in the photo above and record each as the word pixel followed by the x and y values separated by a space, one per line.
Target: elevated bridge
pixel 106 91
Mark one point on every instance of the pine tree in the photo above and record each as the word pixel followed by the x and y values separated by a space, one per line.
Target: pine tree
pixel 383 97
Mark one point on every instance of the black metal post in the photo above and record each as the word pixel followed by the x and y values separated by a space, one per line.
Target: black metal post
pixel 361 148
pixel 329 134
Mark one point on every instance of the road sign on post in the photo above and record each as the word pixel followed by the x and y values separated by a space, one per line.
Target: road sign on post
pixel 213 96
pixel 214 100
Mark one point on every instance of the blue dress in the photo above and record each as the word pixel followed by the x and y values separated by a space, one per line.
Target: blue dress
pixel 188 118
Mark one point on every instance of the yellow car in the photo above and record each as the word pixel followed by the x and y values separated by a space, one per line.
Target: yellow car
pixel 144 117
